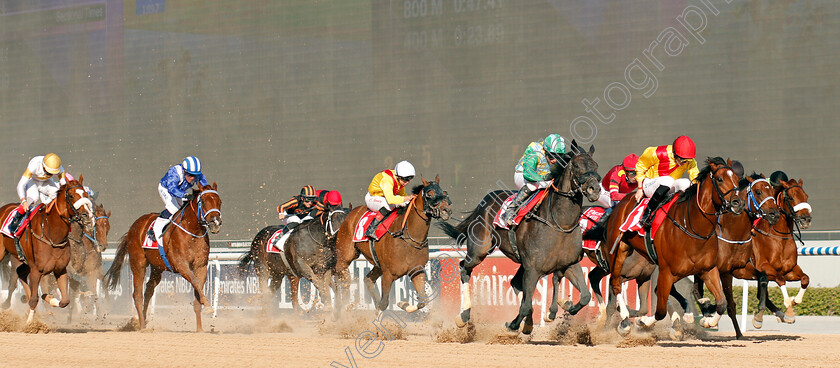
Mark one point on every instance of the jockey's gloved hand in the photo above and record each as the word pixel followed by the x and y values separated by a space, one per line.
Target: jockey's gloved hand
pixel 313 213
pixel 188 197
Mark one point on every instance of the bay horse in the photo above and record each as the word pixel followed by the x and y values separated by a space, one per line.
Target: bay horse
pixel 310 253
pixel 684 243
pixel 186 243
pixel 85 268
pixel 44 241
pixel 774 247
pixel 403 250
pixel 735 241
pixel 548 241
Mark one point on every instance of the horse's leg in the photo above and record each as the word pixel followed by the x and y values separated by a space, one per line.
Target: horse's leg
pixel 342 275
pixel 475 255
pixel 705 304
pixel 418 279
pixel 34 283
pixel 595 276
pixel 370 284
pixel 622 251
pixel 686 303
pixel 200 299
pixel 154 280
pixel 64 289
pixel 761 294
pixel 664 283
pixel 575 275
pixel 554 305
pixel 712 279
pixel 13 280
pixel 387 281
pixel 726 282
pixel 526 308
pixel 644 299
pixel 795 274
pixel 196 279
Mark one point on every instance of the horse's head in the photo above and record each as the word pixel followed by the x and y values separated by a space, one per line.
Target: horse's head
pixel 584 171
pixel 102 225
pixel 725 184
pixel 77 205
pixel 332 219
pixel 209 206
pixel 760 199
pixel 794 202
pixel 436 202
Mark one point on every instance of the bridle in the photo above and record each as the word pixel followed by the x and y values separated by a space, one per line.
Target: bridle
pixel 201 213
pixel 688 228
pixel 576 188
pixel 754 207
pixel 789 210
pixel 76 217
pixel 429 210
pixel 725 206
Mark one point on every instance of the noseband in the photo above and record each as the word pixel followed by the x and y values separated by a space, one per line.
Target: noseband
pixel 752 201
pixel 202 214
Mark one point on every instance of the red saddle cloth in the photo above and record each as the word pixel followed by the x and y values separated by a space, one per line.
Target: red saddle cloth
pixel 269 245
pixel 588 219
pixel 148 242
pixel 530 204
pixel 23 222
pixel 364 222
pixel 632 221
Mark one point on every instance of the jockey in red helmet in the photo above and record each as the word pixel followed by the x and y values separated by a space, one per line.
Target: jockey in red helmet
pixel 330 199
pixel 619 181
pixel 660 169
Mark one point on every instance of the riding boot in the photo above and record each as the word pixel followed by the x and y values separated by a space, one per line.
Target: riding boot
pixel 156 232
pixel 371 230
pixel 20 254
pixel 653 204
pixel 513 208
pixel 13 226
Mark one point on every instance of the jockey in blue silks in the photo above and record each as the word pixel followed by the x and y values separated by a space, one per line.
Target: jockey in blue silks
pixel 173 190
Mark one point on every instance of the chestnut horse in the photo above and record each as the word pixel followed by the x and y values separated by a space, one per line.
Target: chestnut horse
pixel 309 251
pixel 403 250
pixel 775 251
pixel 548 241
pixel 735 240
pixel 44 242
pixel 186 243
pixel 684 244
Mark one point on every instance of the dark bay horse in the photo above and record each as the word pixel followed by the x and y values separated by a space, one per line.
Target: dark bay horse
pixel 310 253
pixel 44 242
pixel 775 254
pixel 684 243
pixel 186 243
pixel 85 268
pixel 404 250
pixel 548 242
pixel 735 240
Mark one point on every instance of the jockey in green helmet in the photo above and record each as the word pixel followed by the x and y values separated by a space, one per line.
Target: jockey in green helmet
pixel 534 170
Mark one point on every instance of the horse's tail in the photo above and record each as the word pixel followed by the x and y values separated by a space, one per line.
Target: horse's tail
pixel 253 256
pixel 112 277
pixel 456 231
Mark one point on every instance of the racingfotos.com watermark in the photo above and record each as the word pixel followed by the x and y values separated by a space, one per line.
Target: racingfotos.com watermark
pixel 639 76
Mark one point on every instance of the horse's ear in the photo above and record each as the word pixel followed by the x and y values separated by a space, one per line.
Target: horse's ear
pixel 728 162
pixel 800 182
pixel 591 150
pixel 351 205
pixel 214 185
pixel 425 183
pixel 81 179
pixel 574 143
pixel 749 178
pixel 109 213
pixel 437 178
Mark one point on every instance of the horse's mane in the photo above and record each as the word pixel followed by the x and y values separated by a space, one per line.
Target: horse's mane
pixel 417 189
pixel 691 192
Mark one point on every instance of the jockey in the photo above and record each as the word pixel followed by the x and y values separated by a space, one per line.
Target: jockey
pixel 776 179
pixel 173 191
pixel 330 200
pixel 300 208
pixel 533 171
pixel 386 192
pixel 659 172
pixel 620 180
pixel 37 185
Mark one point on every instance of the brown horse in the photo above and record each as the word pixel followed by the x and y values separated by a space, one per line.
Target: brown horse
pixel 735 240
pixel 682 244
pixel 44 242
pixel 186 243
pixel 85 266
pixel 775 251
pixel 404 250
pixel 309 253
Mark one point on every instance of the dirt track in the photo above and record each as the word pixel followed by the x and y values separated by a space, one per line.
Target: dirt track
pixel 308 344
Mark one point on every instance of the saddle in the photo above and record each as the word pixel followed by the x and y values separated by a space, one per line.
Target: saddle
pixel 533 202
pixel 24 222
pixel 364 223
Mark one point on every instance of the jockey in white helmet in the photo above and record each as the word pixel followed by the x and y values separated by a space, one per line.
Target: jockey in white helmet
pixel 173 190
pixel 387 192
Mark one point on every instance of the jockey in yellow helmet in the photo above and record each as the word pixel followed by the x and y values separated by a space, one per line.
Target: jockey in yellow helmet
pixel 386 192
pixel 39 183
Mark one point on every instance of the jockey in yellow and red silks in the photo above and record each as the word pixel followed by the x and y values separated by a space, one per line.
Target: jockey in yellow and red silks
pixel 386 192
pixel 660 169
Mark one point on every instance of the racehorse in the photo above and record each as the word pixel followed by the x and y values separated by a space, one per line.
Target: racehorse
pixel 735 240
pixel 682 244
pixel 775 251
pixel 309 253
pixel 548 241
pixel 186 246
pixel 44 241
pixel 85 268
pixel 403 250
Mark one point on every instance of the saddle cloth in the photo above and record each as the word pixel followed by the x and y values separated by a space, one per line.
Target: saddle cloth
pixel 588 219
pixel 23 222
pixel 364 222
pixel 147 242
pixel 632 221
pixel 277 242
pixel 530 204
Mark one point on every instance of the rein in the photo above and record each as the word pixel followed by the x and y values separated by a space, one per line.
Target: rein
pixel 571 194
pixel 752 201
pixel 200 214
pixel 688 228
pixel 403 234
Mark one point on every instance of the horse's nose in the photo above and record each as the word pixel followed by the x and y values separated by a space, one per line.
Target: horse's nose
pixel 773 216
pixel 737 205
pixel 805 223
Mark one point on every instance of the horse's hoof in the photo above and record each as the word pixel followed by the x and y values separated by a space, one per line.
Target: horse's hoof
pixel 624 327
pixel 675 334
pixel 527 328
pixel 510 330
pixel 757 322
pixel 789 319
pixel 645 321
pixel 463 318
pixel 410 308
pixel 209 310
